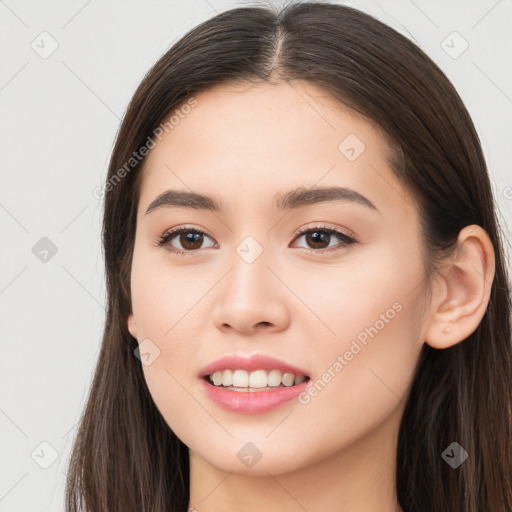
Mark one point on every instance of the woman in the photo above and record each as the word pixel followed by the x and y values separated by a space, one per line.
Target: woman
pixel 308 304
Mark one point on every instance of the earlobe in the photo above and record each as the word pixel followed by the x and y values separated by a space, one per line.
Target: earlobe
pixel 463 291
pixel 132 326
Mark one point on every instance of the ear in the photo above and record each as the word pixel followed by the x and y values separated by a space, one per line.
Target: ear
pixel 132 326
pixel 462 293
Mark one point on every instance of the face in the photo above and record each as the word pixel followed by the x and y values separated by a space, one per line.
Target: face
pixel 331 288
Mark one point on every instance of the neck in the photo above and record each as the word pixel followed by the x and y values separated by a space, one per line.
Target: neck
pixel 359 477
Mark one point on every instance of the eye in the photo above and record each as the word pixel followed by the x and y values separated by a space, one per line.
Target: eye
pixel 319 236
pixel 191 239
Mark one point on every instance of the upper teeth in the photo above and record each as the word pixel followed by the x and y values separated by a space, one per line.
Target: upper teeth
pixel 254 379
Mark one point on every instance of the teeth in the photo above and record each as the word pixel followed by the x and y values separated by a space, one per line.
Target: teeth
pixel 274 378
pixel 256 379
pixel 227 378
pixel 288 379
pixel 299 379
pixel 217 378
pixel 240 379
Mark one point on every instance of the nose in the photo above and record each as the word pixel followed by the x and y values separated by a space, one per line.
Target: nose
pixel 251 298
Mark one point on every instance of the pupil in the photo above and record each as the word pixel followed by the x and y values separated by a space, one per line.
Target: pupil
pixel 318 236
pixel 190 238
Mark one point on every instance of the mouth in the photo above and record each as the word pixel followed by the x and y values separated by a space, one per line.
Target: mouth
pixel 253 381
pixel 252 384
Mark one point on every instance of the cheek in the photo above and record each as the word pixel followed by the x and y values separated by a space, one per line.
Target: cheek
pixel 167 320
pixel 164 297
pixel 342 301
pixel 370 351
pixel 169 315
pixel 363 375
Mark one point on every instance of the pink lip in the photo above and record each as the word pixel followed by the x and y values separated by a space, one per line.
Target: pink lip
pixel 251 402
pixel 250 363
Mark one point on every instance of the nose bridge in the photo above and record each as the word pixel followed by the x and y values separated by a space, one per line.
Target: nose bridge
pixel 249 295
pixel 250 273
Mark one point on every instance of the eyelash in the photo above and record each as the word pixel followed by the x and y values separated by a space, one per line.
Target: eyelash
pixel 163 241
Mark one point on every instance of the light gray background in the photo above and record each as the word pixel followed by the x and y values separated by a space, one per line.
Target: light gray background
pixel 58 119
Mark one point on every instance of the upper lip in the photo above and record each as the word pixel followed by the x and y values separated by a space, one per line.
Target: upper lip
pixel 250 363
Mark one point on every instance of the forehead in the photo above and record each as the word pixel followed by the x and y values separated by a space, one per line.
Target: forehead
pixel 245 140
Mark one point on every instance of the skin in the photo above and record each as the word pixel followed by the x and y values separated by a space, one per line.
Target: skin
pixel 240 145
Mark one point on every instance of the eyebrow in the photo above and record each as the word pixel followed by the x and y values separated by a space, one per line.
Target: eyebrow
pixel 293 199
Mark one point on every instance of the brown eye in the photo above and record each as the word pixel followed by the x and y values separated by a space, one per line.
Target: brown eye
pixel 319 238
pixel 190 240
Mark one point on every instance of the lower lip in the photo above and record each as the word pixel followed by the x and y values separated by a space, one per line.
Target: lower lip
pixel 252 402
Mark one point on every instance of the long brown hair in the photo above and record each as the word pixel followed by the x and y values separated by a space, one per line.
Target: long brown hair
pixel 125 457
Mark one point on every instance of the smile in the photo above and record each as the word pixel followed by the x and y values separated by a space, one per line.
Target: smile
pixel 258 380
